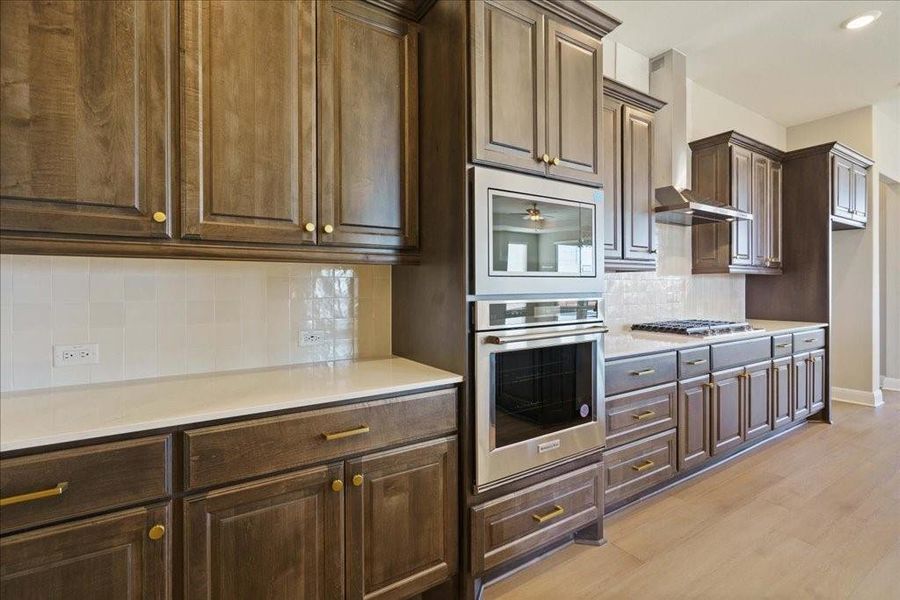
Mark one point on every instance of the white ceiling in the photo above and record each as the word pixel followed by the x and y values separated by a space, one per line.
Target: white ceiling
pixel 788 61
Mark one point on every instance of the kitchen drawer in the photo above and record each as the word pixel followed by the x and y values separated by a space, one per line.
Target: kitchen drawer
pixel 641 372
pixel 224 453
pixel 744 352
pixel 83 480
pixel 693 362
pixel 809 340
pixel 782 345
pixel 638 466
pixel 518 523
pixel 634 415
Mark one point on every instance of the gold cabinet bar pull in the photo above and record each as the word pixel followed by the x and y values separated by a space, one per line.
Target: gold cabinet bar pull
pixel 809 340
pixel 643 372
pixel 647 464
pixel 57 490
pixel 556 512
pixel 698 361
pixel 710 386
pixel 339 435
pixel 784 345
pixel 644 415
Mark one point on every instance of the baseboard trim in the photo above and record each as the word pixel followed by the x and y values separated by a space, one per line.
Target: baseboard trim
pixel 890 383
pixel 860 397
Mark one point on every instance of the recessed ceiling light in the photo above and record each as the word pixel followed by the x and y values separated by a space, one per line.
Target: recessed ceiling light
pixel 860 21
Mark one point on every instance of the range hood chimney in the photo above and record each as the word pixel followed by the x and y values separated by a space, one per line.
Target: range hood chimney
pixel 683 207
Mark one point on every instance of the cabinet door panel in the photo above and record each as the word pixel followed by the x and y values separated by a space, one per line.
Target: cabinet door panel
pixel 637 189
pixel 693 422
pixel 781 391
pixel 281 537
pixel 574 103
pixel 508 84
pixel 741 198
pixel 401 520
pixel 842 187
pixel 800 391
pixel 859 194
pixel 710 179
pixel 759 206
pixel 103 558
pixel 248 148
pixel 774 213
pixel 86 116
pixel 758 404
pixel 817 380
pixel 726 411
pixel 612 177
pixel 368 127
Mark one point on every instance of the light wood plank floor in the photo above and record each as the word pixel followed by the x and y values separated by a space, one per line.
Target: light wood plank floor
pixel 814 514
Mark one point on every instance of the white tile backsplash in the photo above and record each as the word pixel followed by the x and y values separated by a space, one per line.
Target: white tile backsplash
pixel 170 317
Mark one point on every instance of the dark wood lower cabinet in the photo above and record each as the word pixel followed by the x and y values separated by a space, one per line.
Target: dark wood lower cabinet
pixel 781 391
pixel 693 422
pixel 726 418
pixel 278 538
pixel 816 381
pixel 758 405
pixel 800 388
pixel 110 557
pixel 401 520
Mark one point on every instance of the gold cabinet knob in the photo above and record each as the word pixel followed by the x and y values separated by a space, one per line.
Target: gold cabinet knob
pixel 357 480
pixel 156 532
pixel 337 485
pixel 555 160
pixel 159 217
pixel 310 227
pixel 328 229
pixel 545 158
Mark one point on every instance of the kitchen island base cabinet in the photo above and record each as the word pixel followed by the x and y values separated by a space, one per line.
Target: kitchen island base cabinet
pixel 726 414
pixel 693 422
pixel 757 404
pixel 816 381
pixel 281 537
pixel 800 389
pixel 115 557
pixel 401 520
pixel 781 391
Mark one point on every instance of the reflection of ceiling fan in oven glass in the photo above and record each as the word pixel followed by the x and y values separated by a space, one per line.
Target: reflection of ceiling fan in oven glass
pixel 535 216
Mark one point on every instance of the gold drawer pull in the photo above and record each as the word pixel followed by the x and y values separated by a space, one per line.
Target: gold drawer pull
pixel 699 361
pixel 57 490
pixel 785 345
pixel 643 372
pixel 809 340
pixel 644 415
pixel 557 511
pixel 647 464
pixel 339 435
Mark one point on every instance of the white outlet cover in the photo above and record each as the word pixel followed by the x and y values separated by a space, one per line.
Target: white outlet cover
pixel 311 337
pixel 76 354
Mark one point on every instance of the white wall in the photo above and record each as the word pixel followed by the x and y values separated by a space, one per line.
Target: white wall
pixel 711 113
pixel 626 66
pixel 890 282
pixel 886 116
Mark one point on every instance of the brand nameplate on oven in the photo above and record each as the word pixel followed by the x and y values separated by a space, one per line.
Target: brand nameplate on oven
pixel 548 446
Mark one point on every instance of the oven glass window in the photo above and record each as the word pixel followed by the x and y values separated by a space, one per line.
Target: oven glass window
pixel 536 236
pixel 542 390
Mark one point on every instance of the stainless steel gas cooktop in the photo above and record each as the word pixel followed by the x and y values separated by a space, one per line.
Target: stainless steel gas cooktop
pixel 694 327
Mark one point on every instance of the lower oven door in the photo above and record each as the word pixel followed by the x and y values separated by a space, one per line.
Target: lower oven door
pixel 539 398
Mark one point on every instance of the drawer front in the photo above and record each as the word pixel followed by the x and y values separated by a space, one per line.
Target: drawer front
pixel 71 483
pixel 225 453
pixel 809 340
pixel 638 466
pixel 518 523
pixel 634 415
pixel 693 362
pixel 744 352
pixel 782 345
pixel 641 372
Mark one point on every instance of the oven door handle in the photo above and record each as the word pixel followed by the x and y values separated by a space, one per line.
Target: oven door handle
pixel 500 340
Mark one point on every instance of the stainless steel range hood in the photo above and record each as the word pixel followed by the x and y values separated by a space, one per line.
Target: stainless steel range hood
pixel 683 207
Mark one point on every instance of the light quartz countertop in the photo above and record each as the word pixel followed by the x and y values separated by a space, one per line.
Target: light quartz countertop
pixel 621 345
pixel 35 418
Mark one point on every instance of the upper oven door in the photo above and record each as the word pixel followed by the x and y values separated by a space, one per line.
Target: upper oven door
pixel 535 235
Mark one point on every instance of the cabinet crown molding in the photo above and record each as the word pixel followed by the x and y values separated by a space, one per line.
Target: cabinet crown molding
pixel 578 12
pixel 834 148
pixel 629 95
pixel 407 9
pixel 738 139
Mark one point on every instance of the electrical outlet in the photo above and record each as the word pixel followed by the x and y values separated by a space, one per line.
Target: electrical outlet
pixel 313 337
pixel 78 354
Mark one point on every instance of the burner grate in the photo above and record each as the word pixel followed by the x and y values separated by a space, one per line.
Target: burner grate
pixel 699 327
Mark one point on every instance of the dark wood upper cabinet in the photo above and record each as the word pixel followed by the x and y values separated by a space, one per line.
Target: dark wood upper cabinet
pixel 842 187
pixel 630 240
pixel 108 557
pixel 368 127
pixel 574 104
pixel 508 84
pixel 281 537
pixel 248 131
pixel 859 192
pixel 86 117
pixel 740 172
pixel 401 520
pixel 693 422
